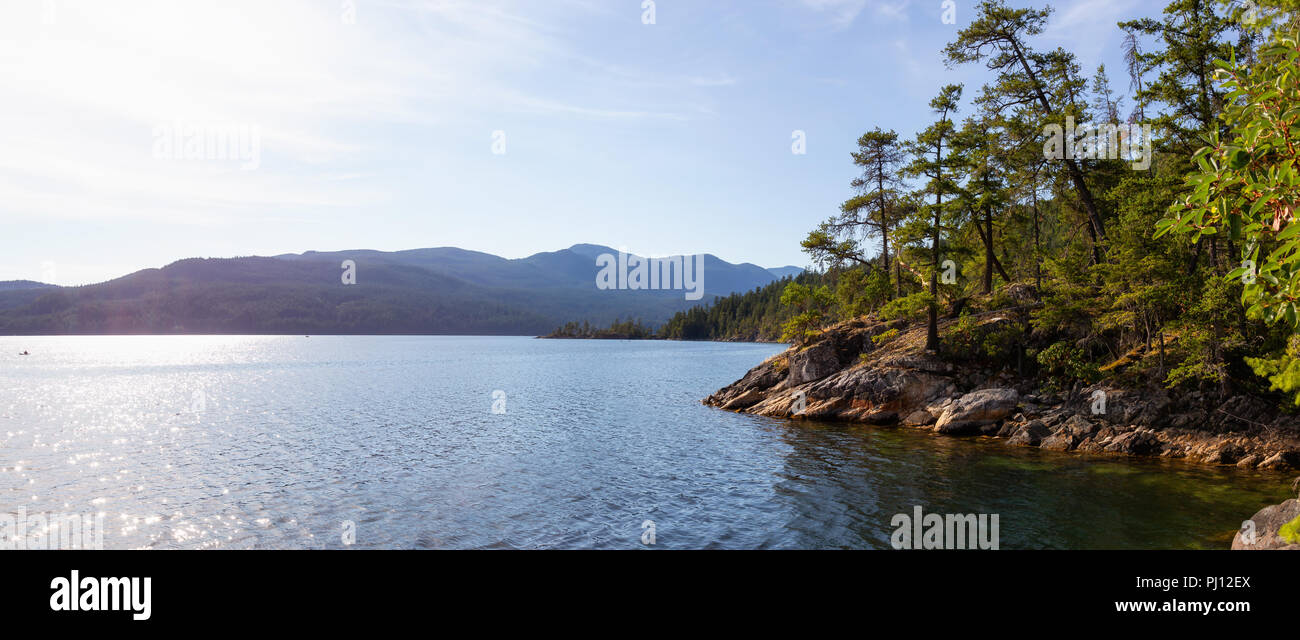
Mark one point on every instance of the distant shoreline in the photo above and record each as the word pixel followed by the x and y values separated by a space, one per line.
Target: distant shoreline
pixel 624 337
pixel 268 335
pixel 364 335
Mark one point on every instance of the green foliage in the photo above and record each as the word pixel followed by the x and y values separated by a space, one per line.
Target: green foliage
pixel 1113 298
pixel 858 293
pixel 1066 362
pixel 884 337
pixel 753 315
pixel 810 305
pixel 997 342
pixel 911 307
pixel 1193 34
pixel 1281 370
pixel 873 211
pixel 629 330
pixel 1246 185
pixel 1290 531
pixel 1203 336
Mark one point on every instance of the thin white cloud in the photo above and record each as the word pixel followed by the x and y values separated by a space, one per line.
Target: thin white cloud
pixel 1088 28
pixel 712 81
pixel 842 13
pixel 540 105
pixel 893 11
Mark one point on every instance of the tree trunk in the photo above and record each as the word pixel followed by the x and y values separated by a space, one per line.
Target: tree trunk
pixel 988 251
pixel 884 224
pixel 1076 174
pixel 932 327
pixel 1038 251
pixel 898 276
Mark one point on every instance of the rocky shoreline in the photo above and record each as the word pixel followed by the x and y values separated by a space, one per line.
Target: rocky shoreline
pixel 844 375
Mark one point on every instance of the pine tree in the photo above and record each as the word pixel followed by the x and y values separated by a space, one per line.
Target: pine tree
pixel 933 161
pixel 998 38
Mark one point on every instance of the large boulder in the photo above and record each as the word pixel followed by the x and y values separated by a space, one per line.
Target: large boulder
pixel 976 409
pixel 814 363
pixel 902 391
pixel 1264 526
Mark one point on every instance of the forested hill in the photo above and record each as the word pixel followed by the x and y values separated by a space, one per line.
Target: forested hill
pixel 436 291
pixel 753 316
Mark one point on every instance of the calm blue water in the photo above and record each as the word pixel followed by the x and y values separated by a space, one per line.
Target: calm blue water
pixel 275 442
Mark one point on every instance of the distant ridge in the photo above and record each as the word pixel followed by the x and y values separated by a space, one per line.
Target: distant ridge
pixel 786 271
pixel 18 285
pixel 438 290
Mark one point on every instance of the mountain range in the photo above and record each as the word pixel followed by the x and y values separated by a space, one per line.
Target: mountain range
pixel 443 290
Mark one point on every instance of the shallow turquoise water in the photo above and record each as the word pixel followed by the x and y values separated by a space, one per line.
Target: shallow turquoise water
pixel 239 442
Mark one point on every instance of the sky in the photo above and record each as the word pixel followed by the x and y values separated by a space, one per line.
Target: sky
pixel 140 133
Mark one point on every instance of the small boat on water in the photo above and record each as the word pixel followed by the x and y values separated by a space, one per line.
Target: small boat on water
pixel 24 353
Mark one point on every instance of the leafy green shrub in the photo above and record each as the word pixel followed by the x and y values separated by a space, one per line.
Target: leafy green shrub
pixel 1290 531
pixel 859 293
pixel 912 307
pixel 1203 361
pixel 811 305
pixel 993 342
pixel 1064 362
pixel 1246 185
pixel 884 337
pixel 1282 371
